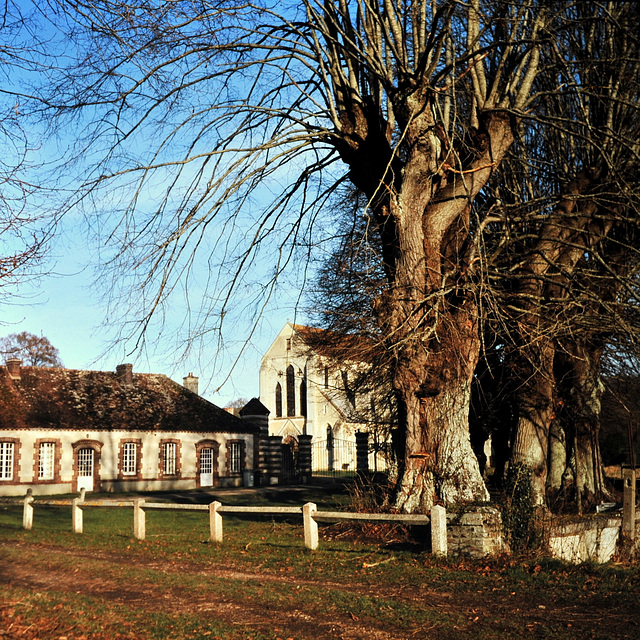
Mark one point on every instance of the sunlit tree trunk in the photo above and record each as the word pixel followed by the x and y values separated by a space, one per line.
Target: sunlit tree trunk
pixel 440 465
pixel 433 325
pixel 535 404
pixel 582 394
pixel 557 477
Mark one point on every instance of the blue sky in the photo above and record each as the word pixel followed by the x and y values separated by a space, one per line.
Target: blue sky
pixel 67 308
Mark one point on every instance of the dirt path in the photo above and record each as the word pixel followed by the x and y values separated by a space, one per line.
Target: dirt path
pixel 475 609
pixel 154 597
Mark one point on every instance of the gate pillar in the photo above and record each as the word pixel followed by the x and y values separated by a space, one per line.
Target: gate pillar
pixel 274 461
pixel 262 477
pixel 362 452
pixel 304 458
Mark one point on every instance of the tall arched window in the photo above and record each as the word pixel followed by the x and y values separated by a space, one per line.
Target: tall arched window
pixel 291 391
pixel 278 400
pixel 303 398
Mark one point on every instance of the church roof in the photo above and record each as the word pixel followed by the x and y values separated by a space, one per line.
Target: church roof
pixel 339 346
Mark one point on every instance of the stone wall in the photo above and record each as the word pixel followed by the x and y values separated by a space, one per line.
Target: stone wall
pixel 478 533
pixel 589 540
pixel 475 533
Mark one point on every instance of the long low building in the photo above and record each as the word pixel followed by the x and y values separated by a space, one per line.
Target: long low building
pixel 63 430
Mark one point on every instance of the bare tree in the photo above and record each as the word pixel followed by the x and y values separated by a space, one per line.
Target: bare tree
pixel 560 249
pixel 25 227
pixel 191 113
pixel 33 350
pixel 236 404
pixel 572 272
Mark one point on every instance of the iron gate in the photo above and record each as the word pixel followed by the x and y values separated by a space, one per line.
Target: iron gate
pixel 333 457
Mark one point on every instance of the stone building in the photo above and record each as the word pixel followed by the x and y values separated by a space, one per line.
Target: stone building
pixel 309 391
pixel 63 430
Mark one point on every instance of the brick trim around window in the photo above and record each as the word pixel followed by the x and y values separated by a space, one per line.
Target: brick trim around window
pixel 57 461
pixel 137 475
pixel 15 473
pixel 178 468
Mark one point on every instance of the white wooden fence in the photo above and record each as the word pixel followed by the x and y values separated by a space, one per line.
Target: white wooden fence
pixel 309 512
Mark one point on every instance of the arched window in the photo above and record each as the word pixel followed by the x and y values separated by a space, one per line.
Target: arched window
pixel 291 391
pixel 303 398
pixel 278 400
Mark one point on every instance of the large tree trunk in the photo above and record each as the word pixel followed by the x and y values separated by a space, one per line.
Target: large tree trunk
pixel 538 324
pixel 557 478
pixel 432 322
pixel 422 208
pixel 440 465
pixel 582 391
pixel 536 404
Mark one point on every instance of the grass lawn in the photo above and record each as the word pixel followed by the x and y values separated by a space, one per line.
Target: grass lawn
pixel 263 584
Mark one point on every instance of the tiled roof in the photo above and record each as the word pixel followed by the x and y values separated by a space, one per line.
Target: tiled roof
pixel 88 400
pixel 339 346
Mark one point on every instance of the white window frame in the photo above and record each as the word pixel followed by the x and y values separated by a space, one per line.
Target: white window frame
pixel 169 451
pixel 46 460
pixel 7 452
pixel 206 460
pixel 86 462
pixel 235 457
pixel 129 458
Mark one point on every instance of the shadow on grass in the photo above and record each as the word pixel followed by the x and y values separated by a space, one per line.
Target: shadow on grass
pixel 324 492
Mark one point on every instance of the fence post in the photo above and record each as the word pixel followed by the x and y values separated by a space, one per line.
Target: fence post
pixel 215 522
pixel 139 519
pixel 310 526
pixel 27 514
pixel 629 502
pixel 76 515
pixel 438 530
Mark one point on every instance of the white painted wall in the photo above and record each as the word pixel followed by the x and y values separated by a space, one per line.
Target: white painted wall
pixel 109 459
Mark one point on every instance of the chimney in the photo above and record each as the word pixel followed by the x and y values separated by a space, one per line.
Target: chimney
pixel 13 367
pixel 124 373
pixel 190 383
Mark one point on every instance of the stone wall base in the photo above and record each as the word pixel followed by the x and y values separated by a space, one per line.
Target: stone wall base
pixel 593 540
pixel 476 533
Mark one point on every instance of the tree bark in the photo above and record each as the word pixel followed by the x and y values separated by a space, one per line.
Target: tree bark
pixel 557 478
pixel 440 465
pixel 535 401
pixel 539 324
pixel 582 394
pixel 432 322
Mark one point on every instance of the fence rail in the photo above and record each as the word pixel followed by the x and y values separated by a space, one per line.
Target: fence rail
pixel 309 512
